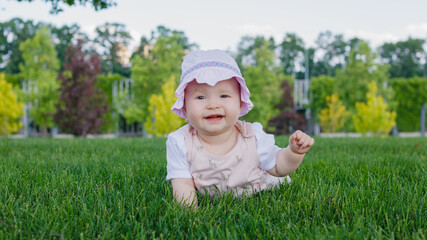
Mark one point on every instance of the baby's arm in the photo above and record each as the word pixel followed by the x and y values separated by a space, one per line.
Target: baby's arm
pixel 289 159
pixel 184 191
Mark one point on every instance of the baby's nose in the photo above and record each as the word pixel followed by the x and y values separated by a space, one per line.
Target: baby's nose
pixel 212 104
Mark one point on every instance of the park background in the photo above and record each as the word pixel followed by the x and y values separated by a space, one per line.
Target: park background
pixel 61 79
pixel 117 78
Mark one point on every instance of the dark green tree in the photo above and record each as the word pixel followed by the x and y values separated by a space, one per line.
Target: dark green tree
pixel 12 34
pixel 410 94
pixel 311 64
pixel 291 52
pixel 58 5
pixel 405 58
pixel 246 54
pixel 333 50
pixel 113 39
pixel 65 35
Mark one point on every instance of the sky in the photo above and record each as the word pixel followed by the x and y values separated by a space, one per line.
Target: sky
pixel 221 24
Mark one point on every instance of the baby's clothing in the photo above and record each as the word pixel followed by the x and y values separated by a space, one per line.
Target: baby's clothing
pixel 242 170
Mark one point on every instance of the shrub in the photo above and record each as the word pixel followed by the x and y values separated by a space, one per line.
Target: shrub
pixel 373 115
pixel 332 118
pixel 10 108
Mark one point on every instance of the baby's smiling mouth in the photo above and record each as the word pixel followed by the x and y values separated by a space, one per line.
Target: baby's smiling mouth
pixel 214 116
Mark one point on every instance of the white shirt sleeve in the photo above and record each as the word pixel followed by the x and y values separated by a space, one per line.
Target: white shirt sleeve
pixel 176 156
pixel 266 147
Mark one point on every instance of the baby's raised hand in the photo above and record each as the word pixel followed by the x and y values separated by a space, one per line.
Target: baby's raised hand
pixel 300 142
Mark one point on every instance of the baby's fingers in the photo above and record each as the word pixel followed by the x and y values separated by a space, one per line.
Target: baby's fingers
pixel 303 139
pixel 307 143
pixel 296 136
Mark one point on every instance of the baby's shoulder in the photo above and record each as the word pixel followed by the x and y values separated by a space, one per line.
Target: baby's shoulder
pixel 178 135
pixel 248 128
pixel 259 133
pixel 180 131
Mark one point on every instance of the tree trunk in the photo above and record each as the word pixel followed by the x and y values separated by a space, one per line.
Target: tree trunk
pixel 44 131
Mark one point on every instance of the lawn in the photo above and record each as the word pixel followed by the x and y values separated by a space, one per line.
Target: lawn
pixel 116 188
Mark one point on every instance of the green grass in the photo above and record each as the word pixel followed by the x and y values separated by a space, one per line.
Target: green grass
pixel 112 189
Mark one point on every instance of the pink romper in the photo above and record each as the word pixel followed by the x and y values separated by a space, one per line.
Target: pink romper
pixel 237 171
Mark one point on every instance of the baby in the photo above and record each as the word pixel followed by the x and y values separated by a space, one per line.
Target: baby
pixel 216 152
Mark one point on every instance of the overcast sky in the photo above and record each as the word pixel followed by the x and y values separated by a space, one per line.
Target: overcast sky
pixel 222 23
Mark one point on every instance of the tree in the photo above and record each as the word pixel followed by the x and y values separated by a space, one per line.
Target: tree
pixel 151 70
pixel 40 68
pixel 410 94
pixel 310 54
pixel 333 117
pixel 320 88
pixel 373 116
pixel 161 120
pixel 82 104
pixel 105 83
pixel 64 36
pixel 352 82
pixel 10 109
pixel 404 57
pixel 113 38
pixel 246 54
pixel 333 49
pixel 263 80
pixel 291 51
pixel 12 34
pixel 288 120
pixel 57 5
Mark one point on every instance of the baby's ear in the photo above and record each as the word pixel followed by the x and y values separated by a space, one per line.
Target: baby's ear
pixel 184 111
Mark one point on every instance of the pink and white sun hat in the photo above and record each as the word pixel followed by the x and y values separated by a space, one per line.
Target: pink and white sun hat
pixel 210 67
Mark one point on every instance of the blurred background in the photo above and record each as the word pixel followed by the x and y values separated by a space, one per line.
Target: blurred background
pixel 110 68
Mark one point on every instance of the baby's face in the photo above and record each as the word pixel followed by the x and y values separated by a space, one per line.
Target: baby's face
pixel 213 109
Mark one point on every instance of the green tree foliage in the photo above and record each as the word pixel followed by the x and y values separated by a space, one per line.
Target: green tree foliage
pixel 40 68
pixel 352 82
pixel 291 52
pixel 10 109
pixel 373 116
pixel 263 80
pixel 410 94
pixel 82 104
pixel 161 120
pixel 110 118
pixel 404 57
pixel 63 37
pixel 113 38
pixel 320 88
pixel 57 6
pixel 12 34
pixel 333 117
pixel 333 50
pixel 150 71
pixel 246 54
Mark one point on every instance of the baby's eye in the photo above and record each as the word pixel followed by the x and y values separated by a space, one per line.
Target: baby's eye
pixel 224 96
pixel 200 97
